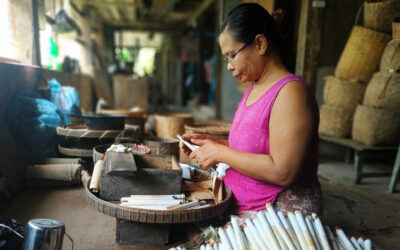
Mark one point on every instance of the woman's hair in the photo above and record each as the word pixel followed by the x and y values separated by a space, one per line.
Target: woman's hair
pixel 247 20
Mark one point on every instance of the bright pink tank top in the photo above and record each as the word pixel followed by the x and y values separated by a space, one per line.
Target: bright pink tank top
pixel 250 133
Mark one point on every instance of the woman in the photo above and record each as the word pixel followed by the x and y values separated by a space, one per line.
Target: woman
pixel 272 146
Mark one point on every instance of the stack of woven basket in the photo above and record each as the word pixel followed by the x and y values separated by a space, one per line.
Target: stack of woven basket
pixel 377 121
pixel 359 60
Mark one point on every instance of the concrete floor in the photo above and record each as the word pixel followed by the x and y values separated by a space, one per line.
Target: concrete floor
pixel 365 209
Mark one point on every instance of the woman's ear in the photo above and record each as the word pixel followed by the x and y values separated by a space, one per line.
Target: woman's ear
pixel 261 44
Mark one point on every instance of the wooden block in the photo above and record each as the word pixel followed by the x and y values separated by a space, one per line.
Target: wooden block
pixel 120 164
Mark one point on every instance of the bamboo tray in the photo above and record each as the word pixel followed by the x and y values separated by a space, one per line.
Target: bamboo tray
pixel 81 131
pixel 157 217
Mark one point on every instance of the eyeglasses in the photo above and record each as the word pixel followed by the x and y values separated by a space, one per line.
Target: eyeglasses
pixel 230 58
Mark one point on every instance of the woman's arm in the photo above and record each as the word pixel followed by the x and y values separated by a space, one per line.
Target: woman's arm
pixel 292 125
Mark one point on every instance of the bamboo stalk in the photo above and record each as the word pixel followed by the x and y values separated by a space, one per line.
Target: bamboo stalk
pixel 232 237
pixel 95 181
pixel 256 235
pixel 304 229
pixel 280 227
pixel 342 236
pixel 224 239
pixel 261 231
pixel 289 230
pixel 321 233
pixel 268 233
pixel 238 233
pixel 310 226
pixel 335 245
pixel 355 243
pixel 297 230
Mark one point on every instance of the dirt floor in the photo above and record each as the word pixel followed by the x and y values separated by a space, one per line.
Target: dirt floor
pixel 365 209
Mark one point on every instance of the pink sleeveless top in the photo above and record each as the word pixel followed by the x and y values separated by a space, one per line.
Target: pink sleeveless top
pixel 250 133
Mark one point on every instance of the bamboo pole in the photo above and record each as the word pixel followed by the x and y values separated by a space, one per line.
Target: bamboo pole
pixel 280 227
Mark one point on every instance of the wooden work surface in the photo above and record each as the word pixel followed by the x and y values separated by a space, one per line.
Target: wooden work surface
pixel 347 142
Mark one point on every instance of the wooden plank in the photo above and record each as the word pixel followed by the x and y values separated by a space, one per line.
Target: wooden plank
pixel 355 145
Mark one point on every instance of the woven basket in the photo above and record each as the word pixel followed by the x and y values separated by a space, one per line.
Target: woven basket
pixel 163 146
pixel 376 126
pixel 383 91
pixel 361 55
pixel 379 15
pixel 391 57
pixel 212 129
pixel 396 30
pixel 169 125
pixel 343 93
pixel 335 121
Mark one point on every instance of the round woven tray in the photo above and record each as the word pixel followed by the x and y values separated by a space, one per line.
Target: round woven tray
pixel 157 217
pixel 81 131
pixel 213 128
pixel 75 152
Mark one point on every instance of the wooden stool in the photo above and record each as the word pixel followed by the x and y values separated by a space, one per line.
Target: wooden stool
pixel 395 173
pixel 360 151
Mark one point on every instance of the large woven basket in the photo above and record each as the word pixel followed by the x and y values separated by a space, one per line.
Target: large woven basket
pixel 213 129
pixel 391 57
pixel 373 126
pixel 158 217
pixel 335 121
pixel 383 91
pixel 169 125
pixel 379 15
pixel 343 93
pixel 361 55
pixel 396 29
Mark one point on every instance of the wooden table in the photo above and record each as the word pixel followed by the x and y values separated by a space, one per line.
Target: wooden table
pixel 359 151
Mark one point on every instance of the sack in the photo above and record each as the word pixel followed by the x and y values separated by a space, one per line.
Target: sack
pixel 32 122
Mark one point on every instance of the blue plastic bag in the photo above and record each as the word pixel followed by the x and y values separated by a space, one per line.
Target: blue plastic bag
pixel 32 122
pixel 65 97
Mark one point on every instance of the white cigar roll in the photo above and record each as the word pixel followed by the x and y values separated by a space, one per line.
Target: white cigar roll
pixel 250 239
pixel 184 206
pixel 340 243
pixel 289 229
pixel 209 247
pixel 280 227
pixel 224 239
pixel 355 243
pixel 335 245
pixel 261 231
pixel 297 230
pixel 145 207
pixel 304 229
pixel 202 247
pixel 95 180
pixel 310 226
pixel 256 235
pixel 238 233
pixel 360 241
pixel 323 239
pixel 268 233
pixel 278 236
pixel 367 244
pixel 231 235
pixel 220 246
pixel 153 202
pixel 157 197
pixel 215 246
pixel 343 238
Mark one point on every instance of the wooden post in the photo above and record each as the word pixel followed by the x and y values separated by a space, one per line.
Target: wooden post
pixel 309 40
pixel 36 38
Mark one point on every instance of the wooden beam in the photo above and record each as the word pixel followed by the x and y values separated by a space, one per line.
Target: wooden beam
pixel 203 7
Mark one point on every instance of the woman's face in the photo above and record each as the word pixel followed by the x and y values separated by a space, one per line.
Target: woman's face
pixel 242 60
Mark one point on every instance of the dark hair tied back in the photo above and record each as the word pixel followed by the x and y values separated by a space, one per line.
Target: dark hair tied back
pixel 247 20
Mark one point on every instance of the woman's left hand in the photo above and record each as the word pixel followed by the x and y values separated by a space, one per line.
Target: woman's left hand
pixel 206 154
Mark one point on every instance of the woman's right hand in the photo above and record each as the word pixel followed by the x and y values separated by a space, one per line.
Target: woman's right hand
pixel 188 138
